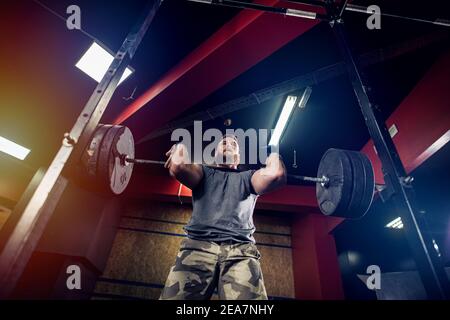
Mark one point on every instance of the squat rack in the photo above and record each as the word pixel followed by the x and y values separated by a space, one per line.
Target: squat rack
pixel 398 189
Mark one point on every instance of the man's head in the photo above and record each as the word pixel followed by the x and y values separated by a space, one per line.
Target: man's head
pixel 227 152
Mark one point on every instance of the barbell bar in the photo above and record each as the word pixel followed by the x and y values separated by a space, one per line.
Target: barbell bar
pixel 323 179
pixel 345 182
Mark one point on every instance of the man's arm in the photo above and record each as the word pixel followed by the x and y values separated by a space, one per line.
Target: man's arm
pixel 180 167
pixel 272 177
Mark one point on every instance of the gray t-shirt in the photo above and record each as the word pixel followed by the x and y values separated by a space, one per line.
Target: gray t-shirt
pixel 223 204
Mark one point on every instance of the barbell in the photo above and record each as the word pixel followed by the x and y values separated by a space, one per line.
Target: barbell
pixel 126 159
pixel 345 182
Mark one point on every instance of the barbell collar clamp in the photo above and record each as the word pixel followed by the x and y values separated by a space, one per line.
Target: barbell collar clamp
pixel 68 140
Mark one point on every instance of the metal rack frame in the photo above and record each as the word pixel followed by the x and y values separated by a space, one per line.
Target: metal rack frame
pixel 19 247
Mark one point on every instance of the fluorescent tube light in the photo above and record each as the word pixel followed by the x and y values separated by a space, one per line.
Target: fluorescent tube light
pixel 283 120
pixel 13 149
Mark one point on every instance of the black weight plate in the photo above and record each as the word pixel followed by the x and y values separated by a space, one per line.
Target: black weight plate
pixel 90 156
pixel 86 171
pixel 369 189
pixel 355 209
pixel 334 197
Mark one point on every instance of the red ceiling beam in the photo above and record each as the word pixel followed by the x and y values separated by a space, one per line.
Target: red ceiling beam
pixel 247 39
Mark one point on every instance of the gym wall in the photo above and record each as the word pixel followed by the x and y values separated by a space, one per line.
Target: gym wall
pixel 80 232
pixel 4 215
pixel 148 239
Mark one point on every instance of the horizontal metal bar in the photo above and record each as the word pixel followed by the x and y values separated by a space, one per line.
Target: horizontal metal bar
pixel 363 9
pixel 254 6
pixel 142 161
pixel 323 180
pixel 316 3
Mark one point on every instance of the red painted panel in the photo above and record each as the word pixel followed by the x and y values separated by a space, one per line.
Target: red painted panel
pixel 422 120
pixel 315 264
pixel 289 198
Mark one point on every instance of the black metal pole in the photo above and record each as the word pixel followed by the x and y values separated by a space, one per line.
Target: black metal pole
pixel 316 3
pixel 25 236
pixel 363 10
pixel 429 265
pixel 259 7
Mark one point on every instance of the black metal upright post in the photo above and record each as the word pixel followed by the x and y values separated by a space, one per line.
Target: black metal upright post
pixel 429 265
pixel 25 236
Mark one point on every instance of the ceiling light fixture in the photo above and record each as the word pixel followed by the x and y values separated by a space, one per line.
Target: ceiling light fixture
pixel 96 61
pixel 286 114
pixel 395 224
pixel 13 149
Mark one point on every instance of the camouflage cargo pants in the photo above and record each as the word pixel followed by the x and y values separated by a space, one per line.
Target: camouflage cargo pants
pixel 201 266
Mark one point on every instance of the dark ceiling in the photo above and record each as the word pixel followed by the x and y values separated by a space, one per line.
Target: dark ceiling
pixel 42 93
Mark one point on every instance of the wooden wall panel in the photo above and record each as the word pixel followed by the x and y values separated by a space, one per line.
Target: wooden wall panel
pixel 142 257
pixel 106 290
pixel 148 241
pixel 276 264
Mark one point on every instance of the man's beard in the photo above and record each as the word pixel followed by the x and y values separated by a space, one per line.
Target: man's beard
pixel 226 158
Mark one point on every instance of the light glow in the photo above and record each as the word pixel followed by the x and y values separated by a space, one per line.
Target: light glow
pixel 395 224
pixel 13 149
pixel 96 62
pixel 283 120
